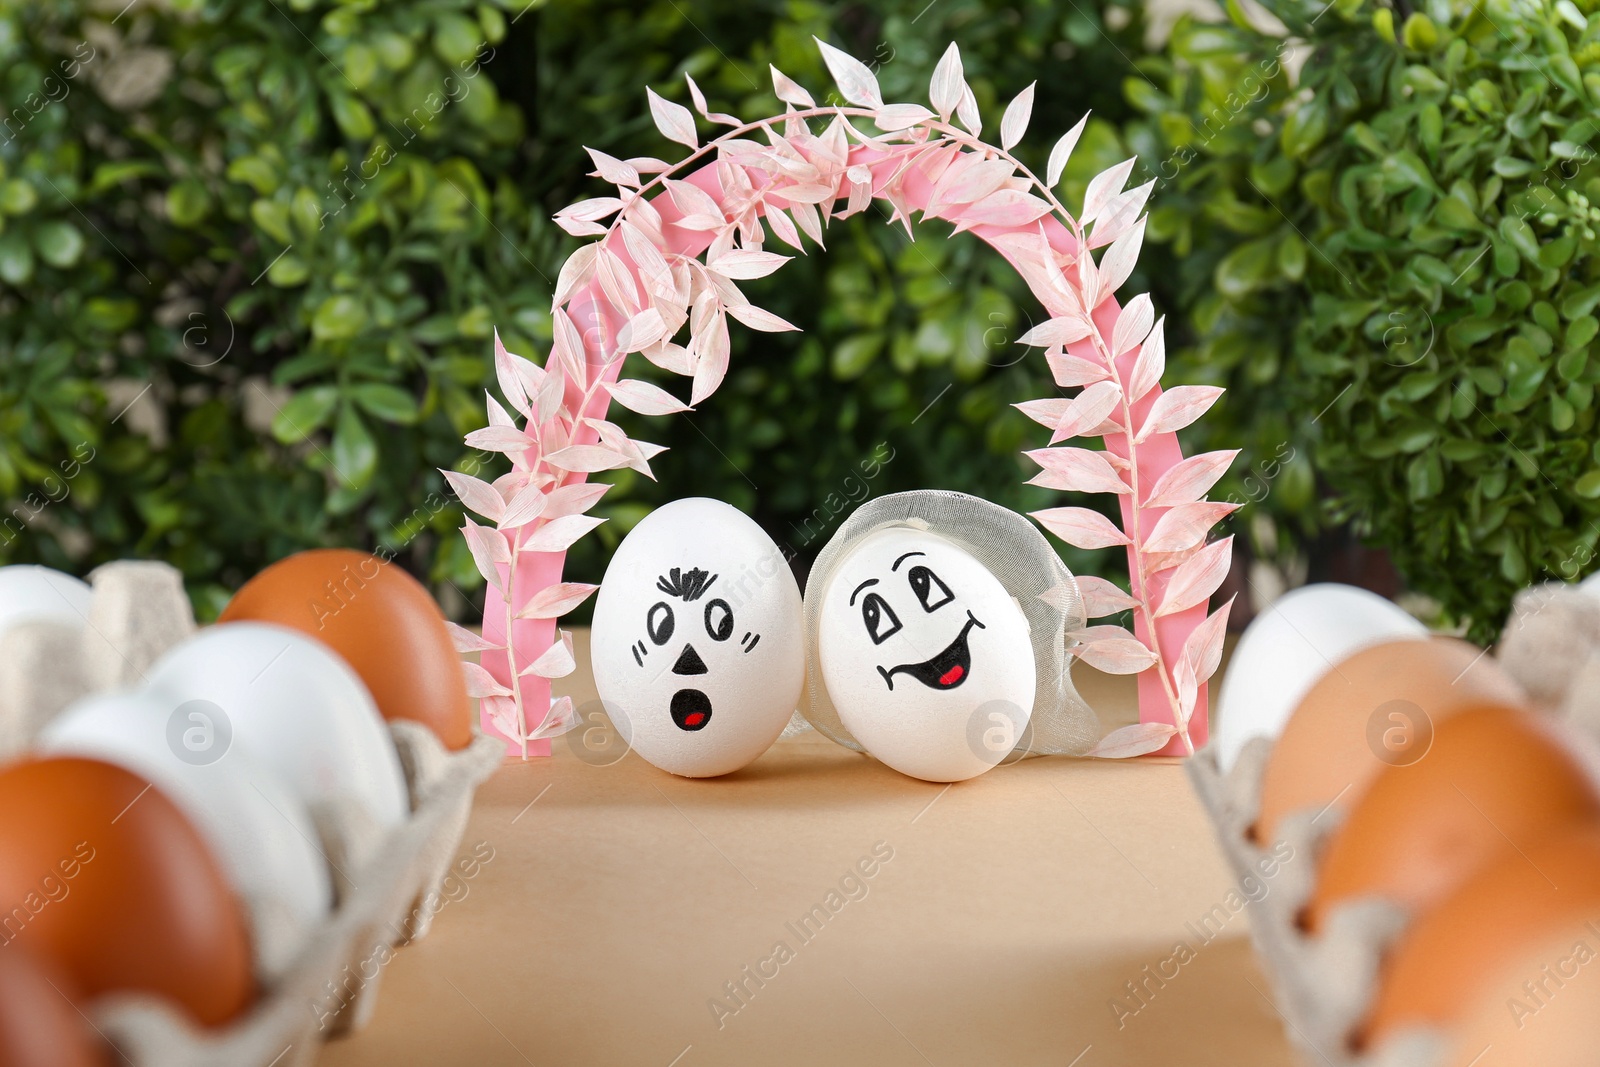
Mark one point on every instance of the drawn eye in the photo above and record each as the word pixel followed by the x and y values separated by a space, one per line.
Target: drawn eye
pixel 660 623
pixel 719 620
pixel 879 617
pixel 933 593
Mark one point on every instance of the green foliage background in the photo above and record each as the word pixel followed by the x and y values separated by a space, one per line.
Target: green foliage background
pixel 252 251
pixel 286 231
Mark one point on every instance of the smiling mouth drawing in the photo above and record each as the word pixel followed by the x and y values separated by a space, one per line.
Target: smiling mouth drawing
pixel 691 710
pixel 946 670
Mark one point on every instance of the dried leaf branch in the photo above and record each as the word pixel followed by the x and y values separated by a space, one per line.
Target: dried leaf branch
pixel 666 266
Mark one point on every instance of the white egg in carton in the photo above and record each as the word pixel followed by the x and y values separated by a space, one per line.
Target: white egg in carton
pixel 386 889
pixel 1326 983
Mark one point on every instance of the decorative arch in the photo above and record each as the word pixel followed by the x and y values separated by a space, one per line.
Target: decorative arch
pixel 669 261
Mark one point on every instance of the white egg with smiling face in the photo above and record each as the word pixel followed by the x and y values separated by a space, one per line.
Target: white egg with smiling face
pixel 926 656
pixel 696 639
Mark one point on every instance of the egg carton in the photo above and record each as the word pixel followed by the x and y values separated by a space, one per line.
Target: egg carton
pixel 1325 984
pixel 388 898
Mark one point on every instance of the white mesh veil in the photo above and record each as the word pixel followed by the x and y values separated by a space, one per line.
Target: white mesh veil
pixel 1014 550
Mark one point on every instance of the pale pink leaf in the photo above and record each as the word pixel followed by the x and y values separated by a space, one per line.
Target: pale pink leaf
pixel 1103 187
pixel 476 494
pixel 1197 578
pixel 612 169
pixel 480 683
pixel 466 642
pixel 561 719
pixel 568 345
pixel 1186 525
pixel 579 228
pixel 1062 152
pixel 644 398
pixel 1116 655
pixel 554 601
pixel 1140 739
pixel 641 331
pixel 558 535
pixel 1064 597
pixel 1070 371
pixel 760 319
pixel 586 459
pixel 488 548
pixel 690 199
pixel 948 83
pixel 574 499
pixel 972 182
pixel 783 227
pixel 1015 121
pixel 746 264
pixel 1081 527
pixel 1151 363
pixel 711 359
pixel 1188 690
pixel 502 713
pixel 1087 411
pixel 856 83
pixel 1119 215
pixel 655 166
pixel 1189 479
pixel 901 116
pixel 1118 262
pixel 557 661
pixel 1062 330
pixel 527 505
pixel 498 415
pixel 1203 649
pixel 1045 412
pixel 789 92
pixel 675 121
pixel 1101 598
pixel 591 210
pixel 575 273
pixel 1076 470
pixel 503 439
pixel 1005 207
pixel 550 393
pixel 511 383
pixel 967 112
pixel 1177 408
pixel 1133 323
pixel 806 193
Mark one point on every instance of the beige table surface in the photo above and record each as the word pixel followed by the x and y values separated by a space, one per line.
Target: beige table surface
pixel 621 900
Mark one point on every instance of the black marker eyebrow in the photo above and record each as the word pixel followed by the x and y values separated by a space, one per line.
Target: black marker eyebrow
pixel 863 585
pixel 905 557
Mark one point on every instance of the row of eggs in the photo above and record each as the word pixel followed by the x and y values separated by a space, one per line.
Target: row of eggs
pixel 172 839
pixel 1451 797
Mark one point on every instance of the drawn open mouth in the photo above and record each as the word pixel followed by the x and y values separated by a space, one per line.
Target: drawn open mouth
pixel 946 670
pixel 691 709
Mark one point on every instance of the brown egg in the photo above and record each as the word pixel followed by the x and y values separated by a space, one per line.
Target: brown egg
pixel 1493 776
pixel 1371 710
pixel 381 620
pixel 102 875
pixel 1540 1010
pixel 1449 959
pixel 41 1024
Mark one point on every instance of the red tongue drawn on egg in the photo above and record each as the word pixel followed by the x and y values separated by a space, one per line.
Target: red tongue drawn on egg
pixel 953 675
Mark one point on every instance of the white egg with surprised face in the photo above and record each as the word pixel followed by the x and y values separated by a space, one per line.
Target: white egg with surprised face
pixel 925 655
pixel 696 639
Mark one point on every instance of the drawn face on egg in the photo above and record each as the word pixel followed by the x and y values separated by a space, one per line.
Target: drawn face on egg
pixel 690 708
pixel 696 639
pixel 920 646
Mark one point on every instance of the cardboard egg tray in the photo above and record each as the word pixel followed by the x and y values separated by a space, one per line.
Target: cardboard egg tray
pixel 1325 984
pixel 382 902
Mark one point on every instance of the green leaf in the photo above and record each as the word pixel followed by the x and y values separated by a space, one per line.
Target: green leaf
pixel 287 271
pixel 16 258
pixel 355 453
pixel 1246 268
pixel 852 357
pixel 187 203
pixel 386 402
pixel 338 318
pixel 456 38
pixel 353 116
pixel 1588 486
pixel 305 413
pixel 59 244
pixel 17 197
